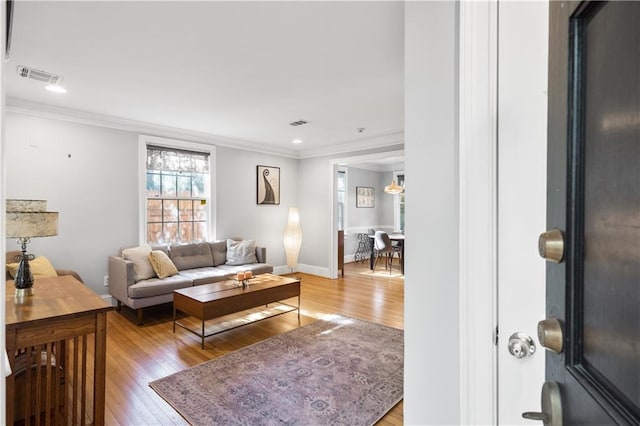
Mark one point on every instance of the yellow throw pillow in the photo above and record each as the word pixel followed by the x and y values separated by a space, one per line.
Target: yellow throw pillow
pixel 161 263
pixel 40 267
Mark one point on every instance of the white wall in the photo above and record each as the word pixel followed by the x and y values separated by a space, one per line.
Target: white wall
pixel 432 346
pixel 89 175
pixel 315 197
pixel 238 214
pixel 386 201
pixel 362 217
pixel 381 215
pixel 359 220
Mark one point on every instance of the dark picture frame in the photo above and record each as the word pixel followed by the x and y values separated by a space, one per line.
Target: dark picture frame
pixel 365 197
pixel 267 185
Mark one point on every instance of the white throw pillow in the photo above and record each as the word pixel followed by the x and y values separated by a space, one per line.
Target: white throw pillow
pixel 142 268
pixel 241 252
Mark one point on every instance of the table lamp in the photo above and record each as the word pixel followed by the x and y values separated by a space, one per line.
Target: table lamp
pixel 28 219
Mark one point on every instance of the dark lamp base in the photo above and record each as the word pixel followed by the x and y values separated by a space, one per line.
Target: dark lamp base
pixel 24 278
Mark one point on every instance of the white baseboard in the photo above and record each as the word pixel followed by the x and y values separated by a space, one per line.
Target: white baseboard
pixel 314 270
pixel 352 258
pixel 107 298
pixel 307 269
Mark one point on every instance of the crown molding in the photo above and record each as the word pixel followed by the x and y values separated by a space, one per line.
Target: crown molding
pixel 355 145
pixel 21 106
pixel 24 107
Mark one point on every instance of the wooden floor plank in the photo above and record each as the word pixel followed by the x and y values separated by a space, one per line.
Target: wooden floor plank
pixel 138 354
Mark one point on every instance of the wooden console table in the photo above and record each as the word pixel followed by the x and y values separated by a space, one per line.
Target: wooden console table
pixel 55 379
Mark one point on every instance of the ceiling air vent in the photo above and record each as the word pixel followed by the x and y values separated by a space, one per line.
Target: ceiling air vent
pixel 299 123
pixel 39 75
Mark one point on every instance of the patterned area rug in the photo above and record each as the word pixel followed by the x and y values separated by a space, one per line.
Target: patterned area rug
pixel 338 371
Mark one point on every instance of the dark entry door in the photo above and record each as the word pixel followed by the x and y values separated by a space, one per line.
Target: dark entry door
pixel 594 198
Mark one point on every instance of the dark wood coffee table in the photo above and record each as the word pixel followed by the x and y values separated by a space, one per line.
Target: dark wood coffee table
pixel 209 301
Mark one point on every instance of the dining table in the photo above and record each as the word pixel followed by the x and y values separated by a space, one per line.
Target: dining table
pixel 393 237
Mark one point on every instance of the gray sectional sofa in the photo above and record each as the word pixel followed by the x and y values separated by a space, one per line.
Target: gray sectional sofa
pixel 133 282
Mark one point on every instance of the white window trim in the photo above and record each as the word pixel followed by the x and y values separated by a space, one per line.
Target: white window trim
pixel 396 202
pixel 345 221
pixel 143 141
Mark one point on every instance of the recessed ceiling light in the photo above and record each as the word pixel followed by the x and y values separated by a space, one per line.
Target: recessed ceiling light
pixel 55 88
pixel 297 141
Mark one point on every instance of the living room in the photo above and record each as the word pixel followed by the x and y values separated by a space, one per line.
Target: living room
pixel 86 166
pixel 98 197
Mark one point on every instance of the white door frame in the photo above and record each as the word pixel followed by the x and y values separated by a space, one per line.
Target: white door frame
pixel 478 70
pixel 481 373
pixel 333 164
pixel 3 363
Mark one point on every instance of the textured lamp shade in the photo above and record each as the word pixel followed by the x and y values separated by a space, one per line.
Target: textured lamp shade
pixel 26 219
pixel 394 188
pixel 292 237
pixel 32 224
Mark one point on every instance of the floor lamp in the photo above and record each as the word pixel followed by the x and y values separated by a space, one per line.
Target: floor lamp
pixel 292 238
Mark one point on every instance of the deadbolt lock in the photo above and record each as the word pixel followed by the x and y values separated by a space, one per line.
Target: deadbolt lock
pixel 550 335
pixel 551 245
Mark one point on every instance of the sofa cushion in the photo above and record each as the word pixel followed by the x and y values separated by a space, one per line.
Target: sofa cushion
pixel 161 247
pixel 162 264
pixel 39 267
pixel 219 250
pixel 241 252
pixel 190 256
pixel 157 286
pixel 208 275
pixel 256 268
pixel 142 268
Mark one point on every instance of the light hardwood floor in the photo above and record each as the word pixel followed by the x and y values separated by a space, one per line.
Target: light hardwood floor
pixel 137 355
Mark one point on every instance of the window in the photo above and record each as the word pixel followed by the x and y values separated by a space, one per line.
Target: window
pixel 342 195
pixel 399 204
pixel 177 195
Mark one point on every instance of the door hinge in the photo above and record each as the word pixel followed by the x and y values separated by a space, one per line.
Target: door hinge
pixel 495 336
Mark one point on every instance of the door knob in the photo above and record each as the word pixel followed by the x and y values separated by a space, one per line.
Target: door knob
pixel 521 345
pixel 550 334
pixel 551 402
pixel 551 245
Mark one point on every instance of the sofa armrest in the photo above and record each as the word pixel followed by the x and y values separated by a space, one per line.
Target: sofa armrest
pixel 120 277
pixel 74 274
pixel 261 254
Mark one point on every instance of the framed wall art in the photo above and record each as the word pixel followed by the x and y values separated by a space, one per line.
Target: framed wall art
pixel 365 197
pixel 268 185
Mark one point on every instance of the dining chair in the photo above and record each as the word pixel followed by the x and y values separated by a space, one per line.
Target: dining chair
pixel 384 248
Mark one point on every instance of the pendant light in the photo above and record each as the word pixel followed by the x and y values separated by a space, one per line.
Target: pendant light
pixel 394 188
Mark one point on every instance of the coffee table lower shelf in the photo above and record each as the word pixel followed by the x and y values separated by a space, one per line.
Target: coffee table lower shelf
pixel 210 301
pixel 203 336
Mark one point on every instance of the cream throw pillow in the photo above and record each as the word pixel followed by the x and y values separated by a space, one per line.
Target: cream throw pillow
pixel 142 268
pixel 241 252
pixel 39 267
pixel 162 264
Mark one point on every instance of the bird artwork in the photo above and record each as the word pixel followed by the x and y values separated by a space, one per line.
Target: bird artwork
pixel 268 185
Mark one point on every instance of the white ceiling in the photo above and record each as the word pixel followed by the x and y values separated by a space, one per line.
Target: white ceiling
pixel 238 71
